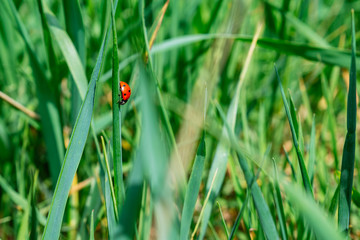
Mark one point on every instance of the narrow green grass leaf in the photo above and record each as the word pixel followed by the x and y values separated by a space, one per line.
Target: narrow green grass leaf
pixel 265 218
pixel 239 216
pixel 110 210
pixel 70 54
pixel 326 55
pixel 312 153
pixel 316 218
pixel 192 190
pixel 245 203
pixel 34 222
pixel 145 219
pixel 50 117
pixel 108 180
pixel 73 155
pixel 116 110
pixel 92 227
pixel 348 160
pixel 223 220
pixel 304 174
pixel 294 115
pixel 279 204
pixel 334 201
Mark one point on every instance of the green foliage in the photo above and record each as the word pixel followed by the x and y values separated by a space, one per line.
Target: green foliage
pixel 194 67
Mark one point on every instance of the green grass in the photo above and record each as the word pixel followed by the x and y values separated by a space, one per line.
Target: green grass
pixel 214 142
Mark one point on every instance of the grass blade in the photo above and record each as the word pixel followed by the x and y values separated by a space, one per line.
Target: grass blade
pixel 108 181
pixel 70 54
pixel 92 227
pixel 348 160
pixel 304 174
pixel 116 108
pixel 223 220
pixel 73 155
pixel 312 153
pixel 291 165
pixel 192 190
pixel 239 216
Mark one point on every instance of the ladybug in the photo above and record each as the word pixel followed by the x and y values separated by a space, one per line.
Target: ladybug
pixel 125 93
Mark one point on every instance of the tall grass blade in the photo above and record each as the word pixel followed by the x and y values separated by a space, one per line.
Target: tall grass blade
pixel 348 160
pixel 73 155
pixel 239 216
pixel 116 108
pixel 192 190
pixel 304 174
pixel 108 181
pixel 223 220
pixel 316 218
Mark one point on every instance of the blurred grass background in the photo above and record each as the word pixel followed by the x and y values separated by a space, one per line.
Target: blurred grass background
pixel 206 115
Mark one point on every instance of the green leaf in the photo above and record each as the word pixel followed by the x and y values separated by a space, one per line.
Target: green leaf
pixel 348 160
pixel 116 110
pixel 304 174
pixel 192 190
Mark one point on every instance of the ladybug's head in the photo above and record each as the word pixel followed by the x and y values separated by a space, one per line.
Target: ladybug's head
pixel 122 102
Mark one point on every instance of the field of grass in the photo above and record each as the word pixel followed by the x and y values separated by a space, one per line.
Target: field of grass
pixel 241 122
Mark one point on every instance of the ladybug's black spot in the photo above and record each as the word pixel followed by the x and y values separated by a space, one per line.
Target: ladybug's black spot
pixel 124 94
pixel 129 90
pixel 124 85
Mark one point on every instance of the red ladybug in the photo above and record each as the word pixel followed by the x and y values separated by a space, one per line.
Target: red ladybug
pixel 125 92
